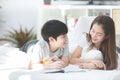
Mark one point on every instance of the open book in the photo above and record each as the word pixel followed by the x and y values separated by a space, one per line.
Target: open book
pixel 68 69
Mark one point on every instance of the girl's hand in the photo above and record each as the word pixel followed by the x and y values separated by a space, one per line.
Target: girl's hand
pixel 92 64
pixel 98 63
pixel 87 66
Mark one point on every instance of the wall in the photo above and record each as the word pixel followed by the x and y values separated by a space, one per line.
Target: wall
pixel 14 13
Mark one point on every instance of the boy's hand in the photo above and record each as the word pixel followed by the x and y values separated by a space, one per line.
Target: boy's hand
pixel 58 64
pixel 53 59
pixel 54 65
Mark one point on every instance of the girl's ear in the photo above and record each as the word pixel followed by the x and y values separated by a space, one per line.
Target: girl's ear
pixel 107 37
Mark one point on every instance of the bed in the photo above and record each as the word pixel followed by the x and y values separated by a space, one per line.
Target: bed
pixel 14 63
pixel 24 74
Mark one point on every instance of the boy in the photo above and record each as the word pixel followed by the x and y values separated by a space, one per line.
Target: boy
pixel 51 52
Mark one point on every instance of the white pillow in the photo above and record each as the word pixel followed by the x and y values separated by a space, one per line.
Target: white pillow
pixel 83 25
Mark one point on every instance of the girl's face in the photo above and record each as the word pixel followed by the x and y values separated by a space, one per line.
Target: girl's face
pixel 97 33
pixel 62 40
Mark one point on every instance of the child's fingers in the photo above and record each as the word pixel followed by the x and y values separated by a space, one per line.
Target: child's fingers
pixel 55 58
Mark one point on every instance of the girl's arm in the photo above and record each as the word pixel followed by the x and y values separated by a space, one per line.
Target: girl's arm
pixel 93 63
pixel 75 57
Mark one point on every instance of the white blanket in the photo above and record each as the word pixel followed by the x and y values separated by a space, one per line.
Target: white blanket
pixel 13 58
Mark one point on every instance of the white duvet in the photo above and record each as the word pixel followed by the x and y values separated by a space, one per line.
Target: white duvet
pixel 13 58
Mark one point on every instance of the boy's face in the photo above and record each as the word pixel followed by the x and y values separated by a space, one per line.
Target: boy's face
pixel 62 41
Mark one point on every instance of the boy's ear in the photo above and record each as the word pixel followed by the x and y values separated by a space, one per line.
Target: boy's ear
pixel 51 39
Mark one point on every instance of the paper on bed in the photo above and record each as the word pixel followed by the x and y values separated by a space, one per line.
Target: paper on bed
pixel 68 69
pixel 73 68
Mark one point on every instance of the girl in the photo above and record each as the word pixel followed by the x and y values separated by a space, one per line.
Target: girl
pixel 101 37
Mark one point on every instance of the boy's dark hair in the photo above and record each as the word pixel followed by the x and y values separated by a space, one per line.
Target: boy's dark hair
pixel 53 28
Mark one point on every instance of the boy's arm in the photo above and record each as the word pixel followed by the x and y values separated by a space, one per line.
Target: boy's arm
pixel 66 60
pixel 54 63
pixel 66 56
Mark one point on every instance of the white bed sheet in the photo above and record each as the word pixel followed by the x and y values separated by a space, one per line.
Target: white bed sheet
pixel 24 74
